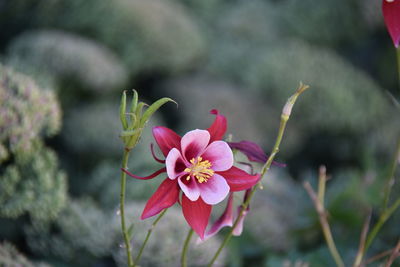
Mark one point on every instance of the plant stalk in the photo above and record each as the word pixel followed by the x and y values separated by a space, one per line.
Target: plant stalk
pixel 125 234
pixel 149 232
pixel 185 248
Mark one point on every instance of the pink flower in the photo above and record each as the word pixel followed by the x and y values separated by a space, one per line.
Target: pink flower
pixel 391 15
pixel 200 166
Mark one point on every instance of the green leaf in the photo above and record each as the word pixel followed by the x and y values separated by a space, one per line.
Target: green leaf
pixel 134 101
pixel 153 108
pixel 122 110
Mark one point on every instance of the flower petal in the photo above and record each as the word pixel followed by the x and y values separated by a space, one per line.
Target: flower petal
pixel 253 152
pixel 226 219
pixel 175 163
pixel 189 187
pixel 391 11
pixel 218 128
pixel 220 155
pixel 214 190
pixel 166 139
pixel 239 227
pixel 238 179
pixel 196 214
pixel 151 176
pixel 165 196
pixel 193 143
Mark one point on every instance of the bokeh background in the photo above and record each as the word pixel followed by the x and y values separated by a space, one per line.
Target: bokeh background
pixel 64 64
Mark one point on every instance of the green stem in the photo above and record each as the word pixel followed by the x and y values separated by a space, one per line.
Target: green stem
pixel 264 170
pixel 122 208
pixel 185 248
pixel 382 219
pixel 148 236
pixel 284 118
pixel 390 179
pixel 398 62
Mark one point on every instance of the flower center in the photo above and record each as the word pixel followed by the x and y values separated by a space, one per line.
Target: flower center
pixel 201 169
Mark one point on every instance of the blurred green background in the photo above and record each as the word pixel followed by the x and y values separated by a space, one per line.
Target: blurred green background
pixel 64 64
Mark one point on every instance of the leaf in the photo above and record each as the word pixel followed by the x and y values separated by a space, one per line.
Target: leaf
pixel 122 110
pixel 153 108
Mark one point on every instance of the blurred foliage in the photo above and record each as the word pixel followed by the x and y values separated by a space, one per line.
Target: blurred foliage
pixel 33 185
pixel 26 113
pixel 243 58
pixel 166 241
pixel 64 56
pixel 11 257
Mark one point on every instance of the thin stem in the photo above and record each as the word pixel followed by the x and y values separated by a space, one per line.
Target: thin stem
pixel 125 234
pixel 185 248
pixel 363 237
pixel 382 219
pixel 148 236
pixel 392 172
pixel 394 255
pixel 324 224
pixel 264 170
pixel 284 118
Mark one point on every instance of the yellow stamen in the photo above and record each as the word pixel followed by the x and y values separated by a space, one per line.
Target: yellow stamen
pixel 200 169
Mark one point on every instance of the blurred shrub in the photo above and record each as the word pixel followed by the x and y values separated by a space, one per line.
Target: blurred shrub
pixel 95 128
pixel 104 183
pixel 277 213
pixel 165 245
pixel 26 113
pixel 341 98
pixel 34 185
pixel 328 23
pixel 11 257
pixel 81 234
pixel 66 57
pixel 148 35
pixel 198 94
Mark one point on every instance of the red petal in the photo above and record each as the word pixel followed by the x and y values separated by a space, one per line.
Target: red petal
pixel 226 219
pixel 218 128
pixel 238 179
pixel 165 196
pixel 151 176
pixel 196 214
pixel 166 139
pixel 391 15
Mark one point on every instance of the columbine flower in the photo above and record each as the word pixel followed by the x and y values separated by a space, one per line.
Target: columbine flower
pixel 391 15
pixel 201 166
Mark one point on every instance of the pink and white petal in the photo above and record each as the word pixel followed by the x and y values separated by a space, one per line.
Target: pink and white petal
pixel 189 187
pixel 226 219
pixel 175 163
pixel 193 143
pixel 165 196
pixel 214 190
pixel 166 139
pixel 238 179
pixel 218 128
pixel 220 155
pixel 197 214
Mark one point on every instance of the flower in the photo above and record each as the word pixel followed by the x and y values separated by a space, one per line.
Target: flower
pixel 391 15
pixel 200 166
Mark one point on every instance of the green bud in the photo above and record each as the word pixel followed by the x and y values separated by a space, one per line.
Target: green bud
pixel 134 101
pixel 122 110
